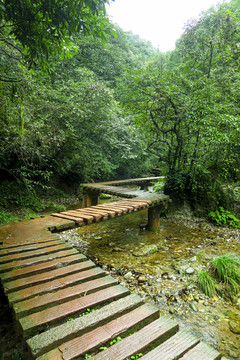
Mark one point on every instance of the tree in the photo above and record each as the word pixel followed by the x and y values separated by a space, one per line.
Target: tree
pixel 37 28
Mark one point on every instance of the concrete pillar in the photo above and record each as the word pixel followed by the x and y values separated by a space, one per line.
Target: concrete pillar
pixel 154 217
pixel 90 198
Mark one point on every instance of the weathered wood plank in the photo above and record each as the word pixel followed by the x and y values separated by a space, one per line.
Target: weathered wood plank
pixel 47 275
pixel 36 260
pixel 26 271
pixel 29 247
pixel 10 245
pixel 33 253
pixel 83 216
pixel 55 284
pixel 50 339
pixel 68 217
pixel 96 215
pixel 110 208
pixel 161 330
pixel 93 211
pixel 173 348
pixel 202 352
pixel 109 212
pixel 37 320
pixel 95 338
pixel 31 305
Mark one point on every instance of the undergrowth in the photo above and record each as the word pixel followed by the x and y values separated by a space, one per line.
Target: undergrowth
pixel 222 217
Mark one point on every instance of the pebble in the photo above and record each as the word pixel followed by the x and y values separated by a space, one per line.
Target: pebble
pixel 128 275
pixel 142 279
pixel 194 306
pixel 190 271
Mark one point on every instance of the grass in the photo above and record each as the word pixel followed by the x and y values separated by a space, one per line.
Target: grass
pixel 206 283
pixel 224 274
pixel 226 269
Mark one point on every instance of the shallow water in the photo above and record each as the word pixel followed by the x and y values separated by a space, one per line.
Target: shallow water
pixel 121 244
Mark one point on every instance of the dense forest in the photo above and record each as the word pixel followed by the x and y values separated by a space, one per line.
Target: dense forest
pixel 83 101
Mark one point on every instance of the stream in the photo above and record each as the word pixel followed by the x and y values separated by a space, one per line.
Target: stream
pixel 162 267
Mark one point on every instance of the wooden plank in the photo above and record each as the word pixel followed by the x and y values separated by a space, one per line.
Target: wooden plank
pixel 11 245
pixel 29 247
pixel 109 212
pixel 47 275
pixel 160 330
pixel 93 211
pixel 149 202
pixel 33 253
pixel 26 271
pixel 173 348
pixel 68 217
pixel 139 202
pixel 50 339
pixel 37 320
pixel 115 207
pixel 95 215
pixel 55 284
pixel 202 352
pixel 110 208
pixel 83 215
pixel 95 338
pixel 134 205
pixel 30 305
pixel 36 260
pixel 121 204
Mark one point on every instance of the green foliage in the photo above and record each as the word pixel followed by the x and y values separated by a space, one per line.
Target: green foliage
pixel 6 217
pixel 206 283
pixel 224 217
pixel 42 27
pixel 137 356
pixel 226 268
pixel 159 185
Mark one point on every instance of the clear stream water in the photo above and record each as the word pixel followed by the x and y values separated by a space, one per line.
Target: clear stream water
pixel 120 246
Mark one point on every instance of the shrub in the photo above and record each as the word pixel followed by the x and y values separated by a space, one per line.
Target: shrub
pixel 224 217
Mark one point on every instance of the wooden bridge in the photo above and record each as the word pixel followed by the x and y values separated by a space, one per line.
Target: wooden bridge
pixel 67 308
pixel 134 200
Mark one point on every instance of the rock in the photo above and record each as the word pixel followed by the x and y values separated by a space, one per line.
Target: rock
pixel 111 244
pixel 117 249
pixel 190 271
pixel 97 238
pixel 194 306
pixel 142 279
pixel 128 275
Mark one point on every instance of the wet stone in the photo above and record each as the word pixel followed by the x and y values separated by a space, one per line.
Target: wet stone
pixel 142 279
pixel 128 275
pixel 194 306
pixel 190 271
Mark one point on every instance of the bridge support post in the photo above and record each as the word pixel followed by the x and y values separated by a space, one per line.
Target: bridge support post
pixel 90 198
pixel 154 217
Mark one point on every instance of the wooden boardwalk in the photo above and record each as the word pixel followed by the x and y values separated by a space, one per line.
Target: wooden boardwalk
pixel 51 286
pixel 66 307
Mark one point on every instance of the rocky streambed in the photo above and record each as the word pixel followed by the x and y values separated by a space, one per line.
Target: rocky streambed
pixel 162 267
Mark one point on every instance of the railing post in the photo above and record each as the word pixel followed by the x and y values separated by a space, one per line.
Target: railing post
pixel 90 198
